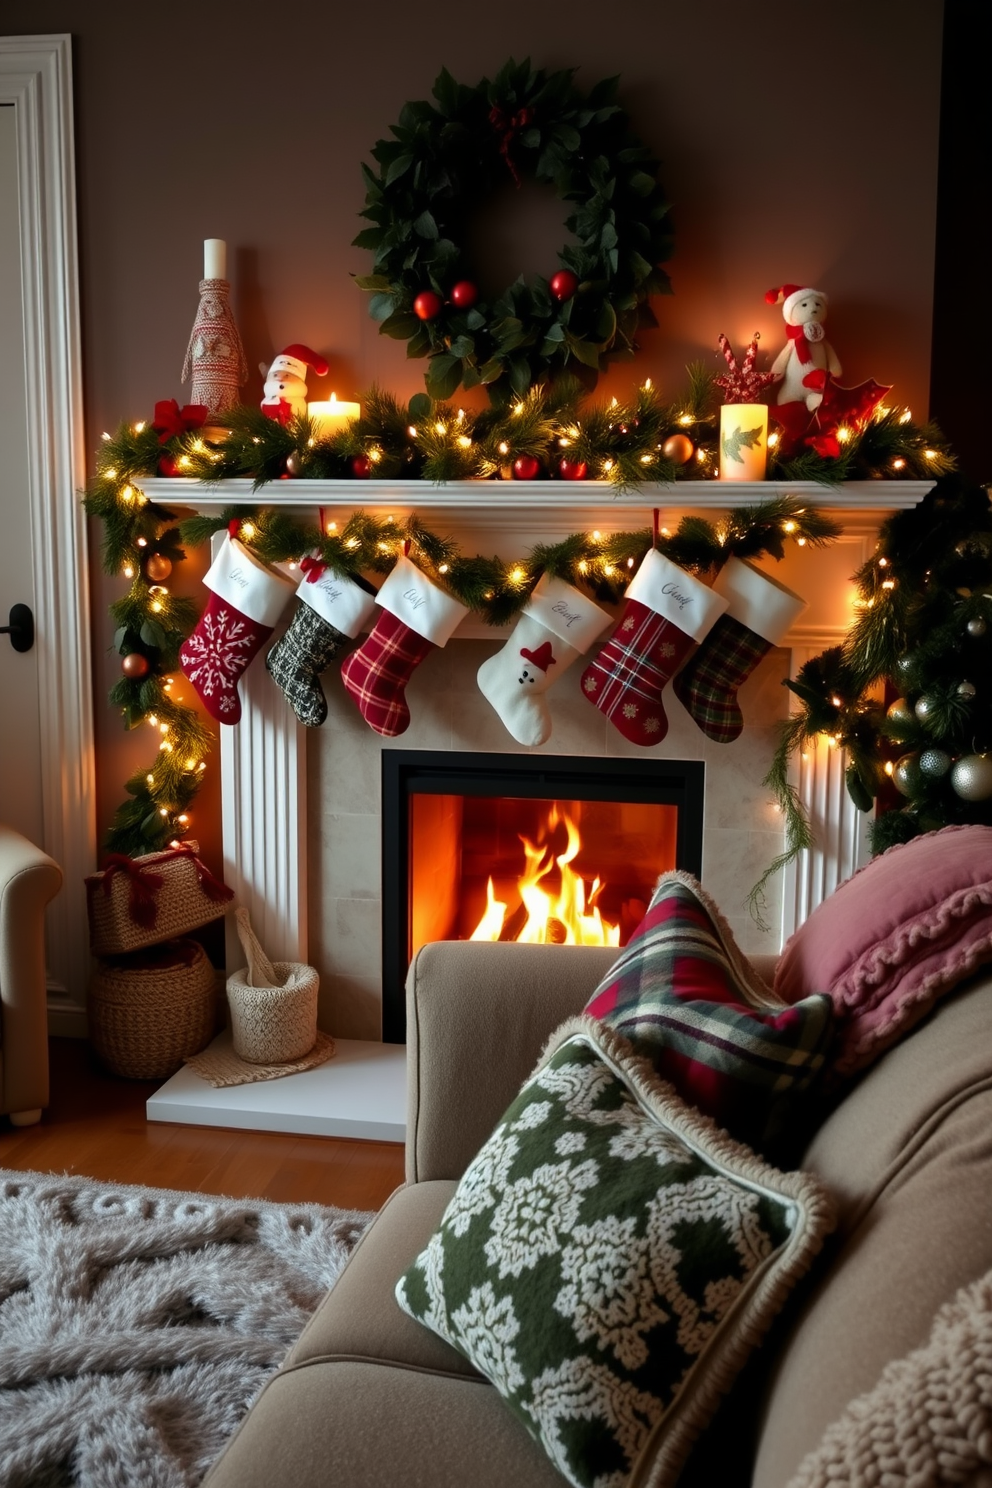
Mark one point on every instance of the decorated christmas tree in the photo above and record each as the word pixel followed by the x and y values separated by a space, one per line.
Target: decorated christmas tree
pixel 908 695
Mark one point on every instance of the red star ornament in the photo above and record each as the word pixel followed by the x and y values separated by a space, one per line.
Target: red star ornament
pixel 742 382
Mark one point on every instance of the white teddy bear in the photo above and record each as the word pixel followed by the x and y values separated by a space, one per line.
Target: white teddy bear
pixel 286 382
pixel 807 360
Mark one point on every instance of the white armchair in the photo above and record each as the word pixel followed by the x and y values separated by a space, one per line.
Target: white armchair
pixel 29 879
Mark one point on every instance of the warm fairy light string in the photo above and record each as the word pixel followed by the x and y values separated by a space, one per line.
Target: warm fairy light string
pixel 157 812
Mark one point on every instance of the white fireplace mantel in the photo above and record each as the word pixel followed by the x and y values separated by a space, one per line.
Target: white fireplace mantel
pixel 263 759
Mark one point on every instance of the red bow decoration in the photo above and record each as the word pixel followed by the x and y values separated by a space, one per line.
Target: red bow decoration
pixel 144 883
pixel 312 568
pixel 509 126
pixel 171 420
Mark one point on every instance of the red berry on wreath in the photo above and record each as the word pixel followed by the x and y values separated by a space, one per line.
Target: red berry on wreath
pixel 361 466
pixel 525 467
pixel 573 469
pixel 563 284
pixel 135 665
pixel 464 294
pixel 427 305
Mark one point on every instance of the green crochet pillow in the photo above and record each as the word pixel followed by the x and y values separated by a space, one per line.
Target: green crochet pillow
pixel 610 1258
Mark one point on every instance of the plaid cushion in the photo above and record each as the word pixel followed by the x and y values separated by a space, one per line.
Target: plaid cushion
pixel 626 679
pixel 378 671
pixel 685 997
pixel 707 685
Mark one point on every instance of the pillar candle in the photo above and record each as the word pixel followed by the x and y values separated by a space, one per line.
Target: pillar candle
pixel 214 258
pixel 329 418
pixel 743 441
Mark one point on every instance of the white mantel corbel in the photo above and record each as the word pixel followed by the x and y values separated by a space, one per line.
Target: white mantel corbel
pixel 263 758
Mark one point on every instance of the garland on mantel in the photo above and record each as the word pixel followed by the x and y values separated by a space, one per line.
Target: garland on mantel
pixel 428 442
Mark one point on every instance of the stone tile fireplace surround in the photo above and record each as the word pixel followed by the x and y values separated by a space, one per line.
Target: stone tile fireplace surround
pixel 301 808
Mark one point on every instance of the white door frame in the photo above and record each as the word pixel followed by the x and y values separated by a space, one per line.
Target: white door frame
pixel 36 77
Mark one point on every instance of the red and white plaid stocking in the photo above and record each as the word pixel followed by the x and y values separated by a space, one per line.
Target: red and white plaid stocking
pixel 416 617
pixel 760 611
pixel 246 601
pixel 667 612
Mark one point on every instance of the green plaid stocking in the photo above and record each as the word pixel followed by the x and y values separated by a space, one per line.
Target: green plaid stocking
pixel 707 685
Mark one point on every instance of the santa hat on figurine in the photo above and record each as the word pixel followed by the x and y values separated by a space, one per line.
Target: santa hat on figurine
pixel 790 297
pixel 286 382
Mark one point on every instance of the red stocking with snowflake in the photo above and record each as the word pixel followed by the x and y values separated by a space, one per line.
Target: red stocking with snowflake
pixel 666 614
pixel 416 617
pixel 246 600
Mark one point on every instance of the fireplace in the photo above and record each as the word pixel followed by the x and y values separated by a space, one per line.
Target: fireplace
pixel 501 846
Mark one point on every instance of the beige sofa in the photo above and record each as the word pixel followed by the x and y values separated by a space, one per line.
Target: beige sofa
pixel 369 1397
pixel 29 879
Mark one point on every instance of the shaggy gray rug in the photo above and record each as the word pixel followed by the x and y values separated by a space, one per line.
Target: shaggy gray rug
pixel 138 1324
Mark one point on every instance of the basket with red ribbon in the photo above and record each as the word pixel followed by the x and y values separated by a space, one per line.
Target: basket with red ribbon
pixel 136 902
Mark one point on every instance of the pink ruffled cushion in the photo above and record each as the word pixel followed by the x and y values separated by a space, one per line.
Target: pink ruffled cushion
pixel 893 938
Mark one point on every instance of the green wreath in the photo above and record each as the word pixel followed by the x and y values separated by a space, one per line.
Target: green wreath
pixel 442 163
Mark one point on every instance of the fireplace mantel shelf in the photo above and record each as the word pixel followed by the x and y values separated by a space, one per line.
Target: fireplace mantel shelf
pixel 493 499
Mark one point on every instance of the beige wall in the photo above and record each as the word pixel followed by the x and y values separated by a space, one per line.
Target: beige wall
pixel 799 143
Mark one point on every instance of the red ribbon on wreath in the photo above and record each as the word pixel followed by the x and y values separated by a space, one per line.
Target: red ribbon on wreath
pixel 144 883
pixel 312 568
pixel 509 126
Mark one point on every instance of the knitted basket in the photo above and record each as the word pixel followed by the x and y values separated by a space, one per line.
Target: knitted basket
pixel 147 1012
pixel 273 1004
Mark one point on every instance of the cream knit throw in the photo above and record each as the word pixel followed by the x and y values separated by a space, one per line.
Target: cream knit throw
pixel 928 1420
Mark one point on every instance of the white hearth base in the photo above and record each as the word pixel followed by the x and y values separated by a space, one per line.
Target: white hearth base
pixel 360 1093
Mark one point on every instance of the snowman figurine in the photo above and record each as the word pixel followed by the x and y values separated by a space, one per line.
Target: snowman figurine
pixel 286 382
pixel 807 361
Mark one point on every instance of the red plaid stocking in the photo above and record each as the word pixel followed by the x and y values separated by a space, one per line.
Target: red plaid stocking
pixel 666 613
pixel 416 618
pixel 245 602
pixel 760 611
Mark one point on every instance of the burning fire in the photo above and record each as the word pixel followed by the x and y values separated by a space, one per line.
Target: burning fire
pixel 568 918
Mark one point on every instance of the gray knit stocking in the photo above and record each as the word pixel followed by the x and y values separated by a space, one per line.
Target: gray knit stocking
pixel 295 661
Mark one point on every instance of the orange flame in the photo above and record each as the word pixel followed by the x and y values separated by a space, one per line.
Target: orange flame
pixel 568 918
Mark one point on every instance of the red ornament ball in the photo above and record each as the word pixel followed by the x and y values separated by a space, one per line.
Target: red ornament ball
pixel 168 467
pixel 135 665
pixel 525 467
pixel 158 567
pixel 573 469
pixel 427 305
pixel 464 294
pixel 361 466
pixel 563 284
pixel 679 449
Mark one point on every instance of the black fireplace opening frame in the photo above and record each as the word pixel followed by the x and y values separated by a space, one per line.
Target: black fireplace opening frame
pixel 406 773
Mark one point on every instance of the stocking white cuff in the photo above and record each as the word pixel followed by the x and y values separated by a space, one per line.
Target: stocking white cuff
pixel 256 591
pixel 567 613
pixel 675 595
pixel 757 600
pixel 338 600
pixel 411 597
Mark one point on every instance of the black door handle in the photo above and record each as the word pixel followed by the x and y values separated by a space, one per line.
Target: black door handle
pixel 21 627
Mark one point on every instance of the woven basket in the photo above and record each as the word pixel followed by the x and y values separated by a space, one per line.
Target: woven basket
pixel 271 1022
pixel 147 1012
pixel 144 901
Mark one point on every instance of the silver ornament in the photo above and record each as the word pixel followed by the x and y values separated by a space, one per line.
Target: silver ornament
pixel 976 626
pixel 905 664
pixel 966 689
pixel 292 464
pixel 925 707
pixel 935 762
pixel 906 774
pixel 899 714
pixel 971 777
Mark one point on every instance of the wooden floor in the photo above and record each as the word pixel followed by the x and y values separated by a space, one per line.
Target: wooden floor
pixel 95 1126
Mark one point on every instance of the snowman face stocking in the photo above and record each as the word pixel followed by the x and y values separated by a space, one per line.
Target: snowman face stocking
pixel 557 626
pixel 666 614
pixel 760 612
pixel 246 600
pixel 331 610
pixel 416 617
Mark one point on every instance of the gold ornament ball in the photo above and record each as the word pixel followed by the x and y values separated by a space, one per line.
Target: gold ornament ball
pixel 679 448
pixel 906 775
pixel 971 777
pixel 292 465
pixel 900 716
pixel 158 567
